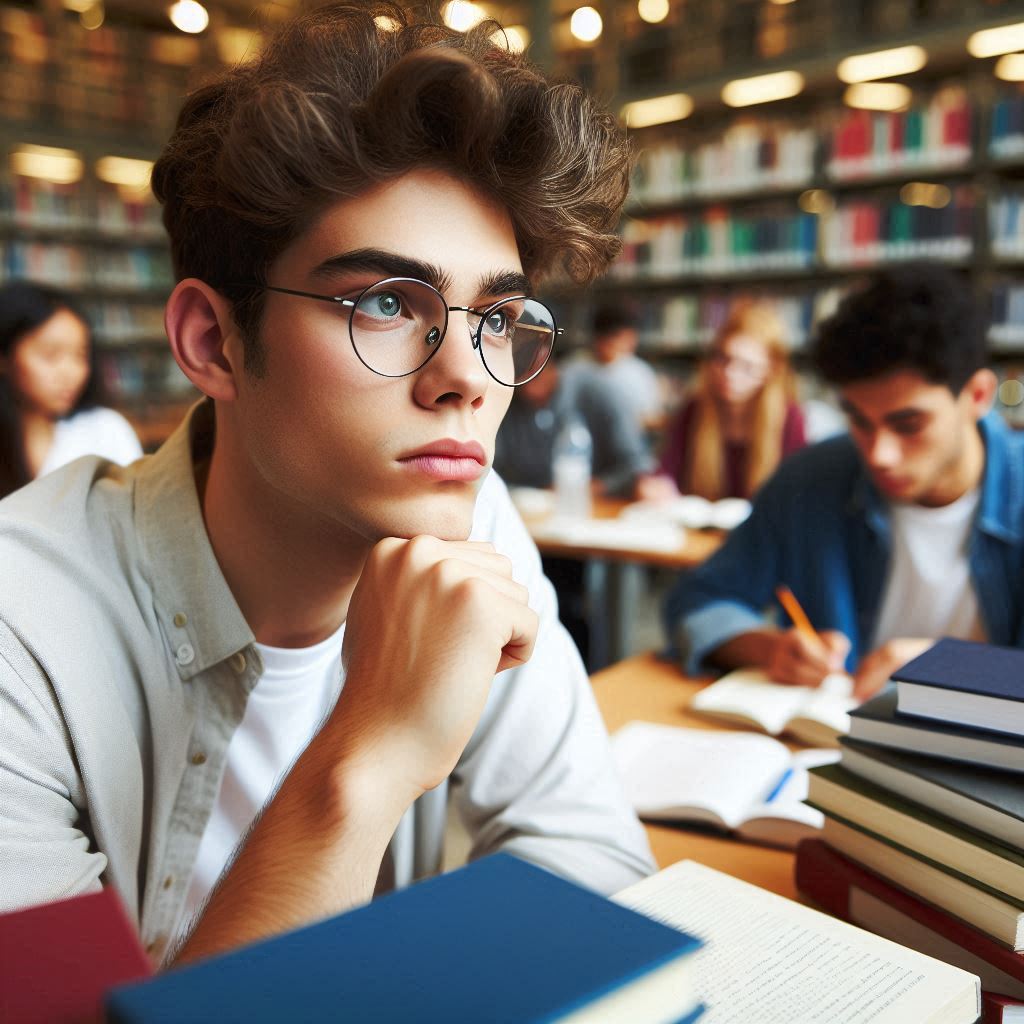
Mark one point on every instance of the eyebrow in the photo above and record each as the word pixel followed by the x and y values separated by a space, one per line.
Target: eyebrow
pixel 391 264
pixel 900 415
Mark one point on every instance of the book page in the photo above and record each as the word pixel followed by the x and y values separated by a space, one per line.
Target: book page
pixel 770 960
pixel 674 773
pixel 750 694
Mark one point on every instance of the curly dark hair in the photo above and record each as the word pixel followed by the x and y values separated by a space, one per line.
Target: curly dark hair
pixel 922 317
pixel 352 95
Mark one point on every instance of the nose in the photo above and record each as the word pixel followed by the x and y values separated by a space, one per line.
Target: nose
pixel 883 451
pixel 456 374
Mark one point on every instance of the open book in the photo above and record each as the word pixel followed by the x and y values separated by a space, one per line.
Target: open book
pixel 752 785
pixel 691 511
pixel 749 697
pixel 766 958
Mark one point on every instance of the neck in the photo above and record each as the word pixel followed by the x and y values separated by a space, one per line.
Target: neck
pixel 291 572
pixel 37 431
pixel 961 476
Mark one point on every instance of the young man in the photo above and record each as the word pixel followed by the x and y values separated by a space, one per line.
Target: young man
pixel 615 340
pixel 357 219
pixel 908 529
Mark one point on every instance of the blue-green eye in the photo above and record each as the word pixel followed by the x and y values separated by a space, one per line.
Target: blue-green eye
pixel 388 304
pixel 497 322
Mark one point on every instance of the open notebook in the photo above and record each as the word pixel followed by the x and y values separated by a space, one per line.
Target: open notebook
pixel 751 785
pixel 750 697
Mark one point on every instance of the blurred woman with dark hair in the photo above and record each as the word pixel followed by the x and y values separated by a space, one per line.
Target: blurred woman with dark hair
pixel 50 410
pixel 741 419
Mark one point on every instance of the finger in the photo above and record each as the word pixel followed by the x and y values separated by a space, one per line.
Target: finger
pixel 867 682
pixel 458 571
pixel 837 646
pixel 522 637
pixel 425 549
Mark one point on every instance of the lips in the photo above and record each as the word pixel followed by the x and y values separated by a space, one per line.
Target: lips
pixel 448 460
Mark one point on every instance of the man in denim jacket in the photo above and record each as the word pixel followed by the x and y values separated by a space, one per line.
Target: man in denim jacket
pixel 909 528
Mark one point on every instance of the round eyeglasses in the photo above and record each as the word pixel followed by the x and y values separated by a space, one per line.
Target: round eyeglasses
pixel 397 325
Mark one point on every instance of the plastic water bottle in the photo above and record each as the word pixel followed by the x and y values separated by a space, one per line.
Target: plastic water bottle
pixel 571 470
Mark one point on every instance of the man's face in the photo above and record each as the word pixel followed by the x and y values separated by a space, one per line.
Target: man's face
pixel 381 456
pixel 918 440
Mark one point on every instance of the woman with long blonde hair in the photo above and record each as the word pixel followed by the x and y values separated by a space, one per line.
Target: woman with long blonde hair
pixel 741 418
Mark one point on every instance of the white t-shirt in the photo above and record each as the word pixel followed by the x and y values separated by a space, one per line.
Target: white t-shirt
pixel 929 592
pixel 98 431
pixel 295 693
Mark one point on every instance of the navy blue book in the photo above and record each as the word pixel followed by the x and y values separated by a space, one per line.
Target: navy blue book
pixel 877 721
pixel 498 940
pixel 977 685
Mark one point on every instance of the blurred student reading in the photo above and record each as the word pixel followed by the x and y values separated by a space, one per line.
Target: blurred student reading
pixel 741 419
pixel 50 411
pixel 908 529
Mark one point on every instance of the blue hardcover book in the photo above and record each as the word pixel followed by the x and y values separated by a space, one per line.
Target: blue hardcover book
pixel 977 685
pixel 498 940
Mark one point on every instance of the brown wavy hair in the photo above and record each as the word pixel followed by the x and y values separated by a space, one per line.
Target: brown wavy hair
pixel 352 95
pixel 704 472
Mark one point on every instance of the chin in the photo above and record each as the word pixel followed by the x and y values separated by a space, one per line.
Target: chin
pixel 445 518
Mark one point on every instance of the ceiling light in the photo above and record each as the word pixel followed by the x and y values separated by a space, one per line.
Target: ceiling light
pixel 585 24
pixel 657 110
pixel 462 15
pixel 878 96
pixel 122 170
pixel 816 200
pixel 60 166
pixel 779 85
pixel 923 193
pixel 515 38
pixel 991 42
pixel 1010 67
pixel 92 17
pixel 882 64
pixel 189 16
pixel 652 11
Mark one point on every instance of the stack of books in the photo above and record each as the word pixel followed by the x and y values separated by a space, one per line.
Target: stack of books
pixel 924 817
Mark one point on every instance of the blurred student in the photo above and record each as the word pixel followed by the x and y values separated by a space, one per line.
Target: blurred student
pixel 613 345
pixel 909 528
pixel 49 390
pixel 741 419
pixel 567 390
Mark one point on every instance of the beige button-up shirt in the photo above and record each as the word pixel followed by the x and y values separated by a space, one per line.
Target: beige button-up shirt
pixel 125 666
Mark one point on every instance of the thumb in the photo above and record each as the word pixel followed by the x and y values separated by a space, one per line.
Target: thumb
pixel 837 645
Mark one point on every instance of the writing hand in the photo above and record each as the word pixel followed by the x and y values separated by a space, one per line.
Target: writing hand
pixel 876 668
pixel 804 660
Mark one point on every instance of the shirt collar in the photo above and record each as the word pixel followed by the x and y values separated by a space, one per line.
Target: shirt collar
pixel 193 600
pixel 1002 487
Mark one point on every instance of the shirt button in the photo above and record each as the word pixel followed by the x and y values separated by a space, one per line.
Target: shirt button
pixel 238 662
pixel 199 758
pixel 168 881
pixel 180 619
pixel 184 655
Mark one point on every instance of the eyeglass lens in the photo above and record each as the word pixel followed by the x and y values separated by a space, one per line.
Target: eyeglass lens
pixel 397 325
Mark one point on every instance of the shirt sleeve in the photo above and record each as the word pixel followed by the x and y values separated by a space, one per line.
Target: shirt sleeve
pixel 537 778
pixel 728 594
pixel 44 851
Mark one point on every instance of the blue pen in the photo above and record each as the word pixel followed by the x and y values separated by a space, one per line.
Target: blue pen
pixel 783 779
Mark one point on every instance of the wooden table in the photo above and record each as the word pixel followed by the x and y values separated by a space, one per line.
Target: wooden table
pixel 613 577
pixel 651 690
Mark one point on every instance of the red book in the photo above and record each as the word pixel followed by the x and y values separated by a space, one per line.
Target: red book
pixel 993 1009
pixel 848 891
pixel 58 960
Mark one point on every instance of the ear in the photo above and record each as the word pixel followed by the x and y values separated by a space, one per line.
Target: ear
pixel 204 339
pixel 980 391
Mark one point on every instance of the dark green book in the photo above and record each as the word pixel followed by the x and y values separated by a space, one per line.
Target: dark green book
pixel 983 799
pixel 841 794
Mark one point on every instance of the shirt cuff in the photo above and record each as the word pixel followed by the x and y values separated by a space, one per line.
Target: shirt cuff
pixel 704 631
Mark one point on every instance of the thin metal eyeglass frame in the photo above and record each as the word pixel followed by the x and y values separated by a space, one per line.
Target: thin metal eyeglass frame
pixel 476 337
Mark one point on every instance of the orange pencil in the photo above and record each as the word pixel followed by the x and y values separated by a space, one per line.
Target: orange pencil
pixel 795 612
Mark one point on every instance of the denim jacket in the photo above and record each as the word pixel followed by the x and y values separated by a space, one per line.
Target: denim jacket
pixel 820 526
